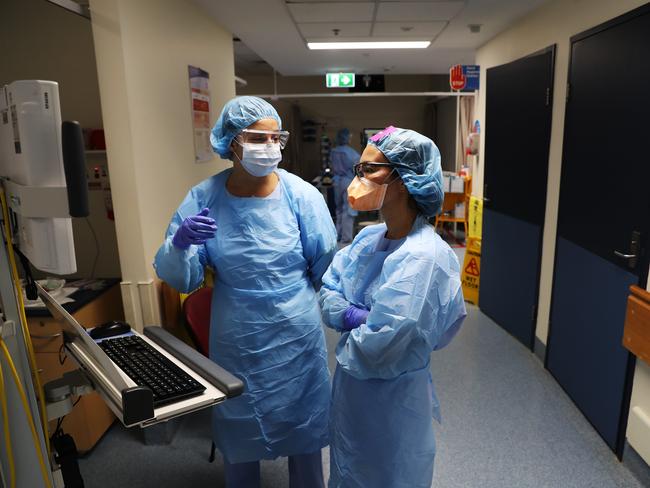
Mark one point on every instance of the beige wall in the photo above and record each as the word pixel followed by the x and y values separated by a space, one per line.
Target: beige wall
pixel 42 41
pixel 143 50
pixel 555 23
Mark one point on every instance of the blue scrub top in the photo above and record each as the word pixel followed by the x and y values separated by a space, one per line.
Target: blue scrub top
pixel 343 159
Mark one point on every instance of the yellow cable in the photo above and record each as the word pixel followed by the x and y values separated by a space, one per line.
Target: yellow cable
pixel 23 322
pixel 5 416
pixel 28 413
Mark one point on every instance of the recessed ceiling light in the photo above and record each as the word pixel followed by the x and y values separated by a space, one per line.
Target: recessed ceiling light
pixel 369 45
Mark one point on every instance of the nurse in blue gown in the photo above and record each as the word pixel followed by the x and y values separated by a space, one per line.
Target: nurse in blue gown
pixel 269 237
pixel 395 296
pixel 343 159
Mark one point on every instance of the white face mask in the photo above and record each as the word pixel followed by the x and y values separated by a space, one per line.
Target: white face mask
pixel 260 159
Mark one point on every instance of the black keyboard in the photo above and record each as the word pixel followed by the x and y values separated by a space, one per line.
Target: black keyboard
pixel 148 367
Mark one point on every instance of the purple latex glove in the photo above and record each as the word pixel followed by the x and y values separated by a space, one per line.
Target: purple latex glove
pixel 354 317
pixel 195 230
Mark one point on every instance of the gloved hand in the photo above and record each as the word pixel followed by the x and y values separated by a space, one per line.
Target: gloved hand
pixel 195 230
pixel 354 317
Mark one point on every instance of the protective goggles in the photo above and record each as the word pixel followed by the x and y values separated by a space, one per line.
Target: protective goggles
pixel 252 136
pixel 368 168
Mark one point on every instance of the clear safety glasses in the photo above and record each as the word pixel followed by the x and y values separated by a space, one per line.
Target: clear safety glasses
pixel 252 136
pixel 368 168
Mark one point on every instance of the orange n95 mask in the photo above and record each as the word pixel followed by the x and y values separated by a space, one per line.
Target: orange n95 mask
pixel 366 195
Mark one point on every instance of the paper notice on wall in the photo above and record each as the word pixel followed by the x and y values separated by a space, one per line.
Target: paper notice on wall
pixel 475 217
pixel 200 96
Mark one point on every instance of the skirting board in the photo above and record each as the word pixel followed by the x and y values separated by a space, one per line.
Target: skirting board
pixel 149 302
pixel 636 465
pixel 638 431
pixel 540 349
pixel 141 307
pixel 131 302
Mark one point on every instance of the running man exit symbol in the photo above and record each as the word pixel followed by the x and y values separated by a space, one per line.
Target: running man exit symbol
pixel 339 80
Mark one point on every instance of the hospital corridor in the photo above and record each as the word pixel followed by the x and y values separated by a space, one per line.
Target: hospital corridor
pixel 494 404
pixel 324 244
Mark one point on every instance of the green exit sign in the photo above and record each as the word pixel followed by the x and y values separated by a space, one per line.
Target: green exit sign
pixel 339 80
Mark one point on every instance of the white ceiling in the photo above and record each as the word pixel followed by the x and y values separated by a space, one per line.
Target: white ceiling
pixel 247 62
pixel 276 31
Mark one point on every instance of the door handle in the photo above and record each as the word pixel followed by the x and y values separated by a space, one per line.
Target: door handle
pixel 625 256
pixel 635 250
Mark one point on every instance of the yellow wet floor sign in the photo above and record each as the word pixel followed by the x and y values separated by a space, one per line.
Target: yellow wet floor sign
pixel 471 275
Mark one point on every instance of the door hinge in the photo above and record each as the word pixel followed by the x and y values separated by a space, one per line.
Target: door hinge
pixel 533 313
pixel 568 92
pixel 548 96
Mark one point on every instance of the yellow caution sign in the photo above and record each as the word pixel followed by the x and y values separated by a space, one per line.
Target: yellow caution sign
pixel 475 220
pixel 471 273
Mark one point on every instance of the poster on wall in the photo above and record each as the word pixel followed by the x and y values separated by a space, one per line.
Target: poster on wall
pixel 200 96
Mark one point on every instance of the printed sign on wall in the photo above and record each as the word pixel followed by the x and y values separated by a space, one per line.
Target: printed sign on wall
pixel 464 77
pixel 200 96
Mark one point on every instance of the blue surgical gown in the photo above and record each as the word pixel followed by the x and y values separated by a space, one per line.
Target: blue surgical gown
pixel 269 255
pixel 343 159
pixel 383 401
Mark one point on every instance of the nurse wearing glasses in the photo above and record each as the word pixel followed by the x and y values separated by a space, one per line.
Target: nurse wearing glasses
pixel 269 237
pixel 395 296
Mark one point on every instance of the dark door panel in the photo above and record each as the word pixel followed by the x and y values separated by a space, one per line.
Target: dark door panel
pixel 509 274
pixel 518 131
pixel 587 357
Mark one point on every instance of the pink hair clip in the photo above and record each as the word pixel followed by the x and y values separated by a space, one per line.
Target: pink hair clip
pixel 380 135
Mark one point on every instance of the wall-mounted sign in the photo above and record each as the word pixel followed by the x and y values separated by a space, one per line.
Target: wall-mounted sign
pixel 464 77
pixel 339 80
pixel 200 96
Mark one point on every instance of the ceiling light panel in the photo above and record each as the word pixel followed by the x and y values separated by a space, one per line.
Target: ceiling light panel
pixel 422 11
pixel 413 30
pixel 327 30
pixel 364 45
pixel 332 12
pixel 291 2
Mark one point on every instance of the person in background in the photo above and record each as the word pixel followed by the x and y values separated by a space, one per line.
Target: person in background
pixel 395 295
pixel 269 237
pixel 343 159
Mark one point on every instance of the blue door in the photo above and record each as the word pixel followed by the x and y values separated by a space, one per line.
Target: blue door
pixel 603 219
pixel 518 123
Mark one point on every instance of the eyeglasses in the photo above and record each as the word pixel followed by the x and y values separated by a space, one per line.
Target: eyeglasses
pixel 368 168
pixel 252 136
